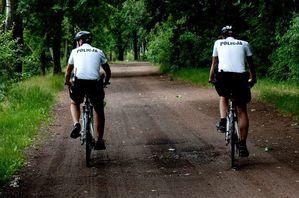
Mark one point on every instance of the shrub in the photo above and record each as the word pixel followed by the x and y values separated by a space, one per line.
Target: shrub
pixel 193 50
pixel 8 60
pixel 285 58
pixel 8 56
pixel 159 49
pixel 173 45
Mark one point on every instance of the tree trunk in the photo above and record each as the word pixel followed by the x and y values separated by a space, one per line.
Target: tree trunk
pixel 43 62
pixel 121 53
pixel 66 50
pixel 110 55
pixel 58 17
pixel 18 36
pixel 135 43
pixel 8 19
pixel 120 48
pixel 14 21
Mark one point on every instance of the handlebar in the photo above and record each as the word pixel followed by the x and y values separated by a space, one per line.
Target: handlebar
pixel 105 84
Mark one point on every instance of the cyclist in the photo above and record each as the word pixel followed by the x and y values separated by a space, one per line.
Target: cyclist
pixel 228 73
pixel 85 62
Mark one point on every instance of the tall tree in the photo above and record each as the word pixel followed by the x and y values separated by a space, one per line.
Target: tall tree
pixel 118 28
pixel 135 16
pixel 14 21
pixel 8 19
pixel 44 19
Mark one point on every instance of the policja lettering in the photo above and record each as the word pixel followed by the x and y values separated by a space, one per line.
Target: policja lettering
pixel 230 43
pixel 87 50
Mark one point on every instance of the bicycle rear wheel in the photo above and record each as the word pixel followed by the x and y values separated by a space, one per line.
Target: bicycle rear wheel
pixel 232 142
pixel 88 137
pixel 88 148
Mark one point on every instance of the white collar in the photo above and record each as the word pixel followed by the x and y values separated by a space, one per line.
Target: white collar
pixel 85 44
pixel 229 38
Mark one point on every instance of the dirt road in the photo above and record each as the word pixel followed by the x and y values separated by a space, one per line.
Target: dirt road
pixel 161 142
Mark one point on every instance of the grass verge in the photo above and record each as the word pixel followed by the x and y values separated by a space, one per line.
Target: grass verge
pixel 282 95
pixel 27 106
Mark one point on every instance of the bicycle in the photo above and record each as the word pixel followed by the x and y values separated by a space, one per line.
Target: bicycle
pixel 232 133
pixel 87 132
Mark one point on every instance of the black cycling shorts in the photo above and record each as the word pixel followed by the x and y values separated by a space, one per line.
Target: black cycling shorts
pixel 92 88
pixel 235 83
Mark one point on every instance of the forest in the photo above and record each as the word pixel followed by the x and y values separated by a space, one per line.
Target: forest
pixel 37 35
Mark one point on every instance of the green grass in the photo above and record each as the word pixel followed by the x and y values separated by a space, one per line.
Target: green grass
pixel 194 75
pixel 282 95
pixel 27 107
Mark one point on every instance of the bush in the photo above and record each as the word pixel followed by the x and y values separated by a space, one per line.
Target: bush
pixel 32 53
pixel 285 58
pixel 8 60
pixel 8 56
pixel 173 45
pixel 192 50
pixel 159 49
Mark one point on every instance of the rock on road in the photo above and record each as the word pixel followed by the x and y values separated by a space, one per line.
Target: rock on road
pixel 161 142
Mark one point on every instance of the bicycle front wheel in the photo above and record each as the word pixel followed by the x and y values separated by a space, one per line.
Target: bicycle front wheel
pixel 232 134
pixel 88 148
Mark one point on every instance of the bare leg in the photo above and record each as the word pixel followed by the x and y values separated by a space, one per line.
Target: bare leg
pixel 243 121
pixel 75 111
pixel 223 107
pixel 99 125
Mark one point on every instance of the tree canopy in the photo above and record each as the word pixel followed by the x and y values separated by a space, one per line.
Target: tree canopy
pixel 171 33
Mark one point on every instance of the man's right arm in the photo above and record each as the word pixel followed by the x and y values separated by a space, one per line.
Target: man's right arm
pixel 212 70
pixel 215 61
pixel 252 78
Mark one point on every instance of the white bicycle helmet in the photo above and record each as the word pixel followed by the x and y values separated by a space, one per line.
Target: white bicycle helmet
pixel 227 30
pixel 85 35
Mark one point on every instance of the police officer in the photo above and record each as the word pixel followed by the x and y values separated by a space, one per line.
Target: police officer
pixel 85 62
pixel 230 56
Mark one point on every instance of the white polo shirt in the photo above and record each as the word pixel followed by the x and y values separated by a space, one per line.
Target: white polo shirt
pixel 87 61
pixel 231 54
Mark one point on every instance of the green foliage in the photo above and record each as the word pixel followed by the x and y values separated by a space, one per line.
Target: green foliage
pixel 27 106
pixel 8 60
pixel 286 57
pixel 192 50
pixel 174 46
pixel 160 46
pixel 8 56
pixel 192 40
pixel 33 49
pixel 261 31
